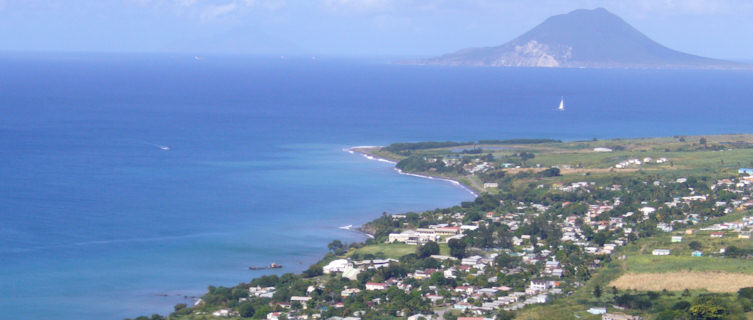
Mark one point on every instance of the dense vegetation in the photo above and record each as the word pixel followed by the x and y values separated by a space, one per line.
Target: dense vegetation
pixel 400 147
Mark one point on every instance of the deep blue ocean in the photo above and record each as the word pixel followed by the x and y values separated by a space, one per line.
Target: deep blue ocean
pixel 97 221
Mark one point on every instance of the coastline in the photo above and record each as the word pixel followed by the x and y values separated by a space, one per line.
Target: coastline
pixel 364 151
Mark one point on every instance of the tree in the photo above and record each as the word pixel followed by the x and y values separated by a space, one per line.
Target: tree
pixel 746 292
pixel 262 312
pixel 506 261
pixel 551 172
pixel 601 238
pixel 427 250
pixel 597 291
pixel 457 248
pixel 707 311
pixel 695 245
pixel 525 156
pixel 337 247
pixel 313 271
pixel 733 251
pixel 246 310
pixel 702 141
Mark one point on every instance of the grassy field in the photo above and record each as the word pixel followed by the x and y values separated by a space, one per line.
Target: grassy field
pixel 393 250
pixel 661 264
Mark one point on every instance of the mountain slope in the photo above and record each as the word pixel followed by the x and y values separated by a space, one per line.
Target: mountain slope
pixel 581 38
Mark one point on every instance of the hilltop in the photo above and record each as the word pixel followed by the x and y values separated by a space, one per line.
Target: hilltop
pixel 582 38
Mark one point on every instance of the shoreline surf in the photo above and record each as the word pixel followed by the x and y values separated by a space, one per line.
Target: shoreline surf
pixel 361 150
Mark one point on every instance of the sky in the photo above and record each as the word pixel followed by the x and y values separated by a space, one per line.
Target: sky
pixel 713 28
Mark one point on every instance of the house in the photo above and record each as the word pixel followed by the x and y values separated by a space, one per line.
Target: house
pixel 447 231
pixel 602 150
pixel 221 313
pixel 717 234
pixel 597 310
pixel 676 239
pixel 350 292
pixel 538 286
pixel 266 292
pixel 376 286
pixel 470 261
pixel 413 237
pixel 352 273
pixel 420 316
pixel 647 210
pixel 697 253
pixel 300 299
pixel 660 252
pixel 335 266
pixel 664 227
pixel 744 235
pixel 462 306
pixel 747 171
pixel 491 185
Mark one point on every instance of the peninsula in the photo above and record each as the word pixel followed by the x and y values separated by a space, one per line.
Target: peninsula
pixel 652 228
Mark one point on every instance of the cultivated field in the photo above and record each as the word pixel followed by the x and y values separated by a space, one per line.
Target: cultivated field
pixel 678 281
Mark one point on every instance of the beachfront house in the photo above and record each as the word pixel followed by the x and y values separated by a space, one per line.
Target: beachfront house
pixel 335 266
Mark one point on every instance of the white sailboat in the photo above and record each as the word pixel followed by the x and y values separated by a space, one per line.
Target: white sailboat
pixel 562 105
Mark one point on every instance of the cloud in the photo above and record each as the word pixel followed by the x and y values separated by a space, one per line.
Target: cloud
pixel 360 6
pixel 206 10
pixel 215 11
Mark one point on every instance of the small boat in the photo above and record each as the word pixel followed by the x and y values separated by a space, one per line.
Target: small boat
pixel 270 266
pixel 346 227
pixel 164 147
pixel 562 105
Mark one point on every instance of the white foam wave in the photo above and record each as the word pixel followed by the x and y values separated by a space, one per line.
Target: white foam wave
pixel 370 157
pixel 440 179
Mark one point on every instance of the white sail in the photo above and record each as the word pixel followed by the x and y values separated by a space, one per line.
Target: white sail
pixel 562 105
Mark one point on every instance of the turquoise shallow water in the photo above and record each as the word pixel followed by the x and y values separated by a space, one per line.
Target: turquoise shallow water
pixel 98 221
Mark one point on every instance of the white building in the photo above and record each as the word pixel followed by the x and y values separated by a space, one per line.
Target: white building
pixel 335 266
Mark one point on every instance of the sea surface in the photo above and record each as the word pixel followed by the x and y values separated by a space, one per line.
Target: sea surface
pixel 130 183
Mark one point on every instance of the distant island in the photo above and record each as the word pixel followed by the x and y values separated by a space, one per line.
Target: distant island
pixel 580 39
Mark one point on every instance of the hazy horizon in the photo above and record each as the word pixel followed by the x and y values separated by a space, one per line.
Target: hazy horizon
pixel 717 29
